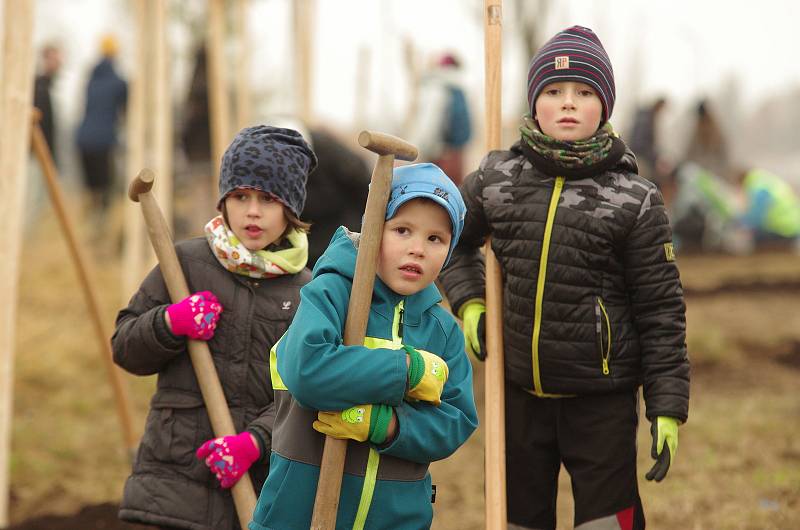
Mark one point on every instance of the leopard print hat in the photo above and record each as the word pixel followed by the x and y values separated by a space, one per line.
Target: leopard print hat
pixel 270 159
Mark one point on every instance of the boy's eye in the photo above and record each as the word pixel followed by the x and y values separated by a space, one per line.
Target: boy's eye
pixel 267 198
pixel 551 91
pixel 586 92
pixel 402 230
pixel 435 239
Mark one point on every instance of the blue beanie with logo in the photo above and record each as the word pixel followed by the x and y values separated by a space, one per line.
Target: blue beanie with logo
pixel 428 181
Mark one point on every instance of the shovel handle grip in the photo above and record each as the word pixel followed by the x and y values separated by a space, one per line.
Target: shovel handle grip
pixel 386 144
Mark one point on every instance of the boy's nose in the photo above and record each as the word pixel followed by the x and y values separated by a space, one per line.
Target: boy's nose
pixel 416 248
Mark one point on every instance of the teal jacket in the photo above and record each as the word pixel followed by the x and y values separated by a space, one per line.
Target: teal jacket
pixel 384 487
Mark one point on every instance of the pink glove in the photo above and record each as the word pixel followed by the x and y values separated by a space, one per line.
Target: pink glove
pixel 195 316
pixel 230 457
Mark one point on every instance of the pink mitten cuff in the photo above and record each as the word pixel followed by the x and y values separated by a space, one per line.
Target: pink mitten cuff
pixel 229 457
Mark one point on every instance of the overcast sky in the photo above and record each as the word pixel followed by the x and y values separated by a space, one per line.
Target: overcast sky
pixel 682 48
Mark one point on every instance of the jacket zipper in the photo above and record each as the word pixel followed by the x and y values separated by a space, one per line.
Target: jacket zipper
pixel 540 283
pixel 397 323
pixel 605 353
pixel 374 458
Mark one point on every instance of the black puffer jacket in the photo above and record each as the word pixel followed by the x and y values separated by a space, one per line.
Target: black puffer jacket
pixel 169 486
pixel 592 297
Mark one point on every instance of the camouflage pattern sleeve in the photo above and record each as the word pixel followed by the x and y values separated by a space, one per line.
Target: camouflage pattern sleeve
pixel 654 289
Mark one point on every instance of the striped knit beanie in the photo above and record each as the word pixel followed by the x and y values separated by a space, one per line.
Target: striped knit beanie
pixel 574 54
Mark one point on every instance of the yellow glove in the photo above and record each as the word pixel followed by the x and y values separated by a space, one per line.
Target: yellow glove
pixel 360 423
pixel 474 317
pixel 665 445
pixel 427 374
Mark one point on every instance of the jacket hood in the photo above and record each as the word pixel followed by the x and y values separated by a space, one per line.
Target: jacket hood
pixel 340 258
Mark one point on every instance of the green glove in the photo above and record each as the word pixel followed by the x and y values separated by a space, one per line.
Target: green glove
pixel 361 423
pixel 474 317
pixel 427 374
pixel 664 429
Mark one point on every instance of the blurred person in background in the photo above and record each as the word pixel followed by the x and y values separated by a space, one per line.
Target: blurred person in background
pixel 50 64
pixel 704 212
pixel 337 191
pixel 707 146
pixel 106 95
pixel 196 129
pixel 442 127
pixel 771 208
pixel 644 142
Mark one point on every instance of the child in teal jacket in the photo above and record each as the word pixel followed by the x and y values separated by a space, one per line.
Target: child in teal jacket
pixel 404 398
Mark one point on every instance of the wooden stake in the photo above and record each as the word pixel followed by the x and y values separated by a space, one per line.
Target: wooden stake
pixel 303 21
pixel 162 98
pixel 326 504
pixel 494 413
pixel 124 408
pixel 219 107
pixel 140 191
pixel 16 94
pixel 243 95
pixel 133 251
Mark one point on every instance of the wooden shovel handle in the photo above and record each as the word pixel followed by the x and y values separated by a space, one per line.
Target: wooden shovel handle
pixel 386 144
pixel 326 503
pixel 244 496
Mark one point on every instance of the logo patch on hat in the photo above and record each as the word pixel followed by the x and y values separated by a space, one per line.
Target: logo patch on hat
pixel 439 192
pixel 562 62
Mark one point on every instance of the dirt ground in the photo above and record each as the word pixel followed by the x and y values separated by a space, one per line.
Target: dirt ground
pixel 738 465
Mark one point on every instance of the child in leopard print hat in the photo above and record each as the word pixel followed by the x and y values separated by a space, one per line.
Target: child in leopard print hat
pixel 252 263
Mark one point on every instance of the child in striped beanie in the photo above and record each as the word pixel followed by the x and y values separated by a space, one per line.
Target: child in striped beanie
pixel 593 305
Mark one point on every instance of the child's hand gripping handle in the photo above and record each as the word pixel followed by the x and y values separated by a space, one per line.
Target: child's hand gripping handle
pixel 388 148
pixel 244 496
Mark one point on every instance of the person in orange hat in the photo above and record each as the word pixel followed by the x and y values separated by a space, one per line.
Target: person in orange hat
pixel 106 95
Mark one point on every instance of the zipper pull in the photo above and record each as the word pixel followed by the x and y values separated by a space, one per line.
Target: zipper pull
pixel 400 324
pixel 605 367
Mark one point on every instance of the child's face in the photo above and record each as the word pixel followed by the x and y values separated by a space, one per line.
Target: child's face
pixel 255 217
pixel 570 111
pixel 414 246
